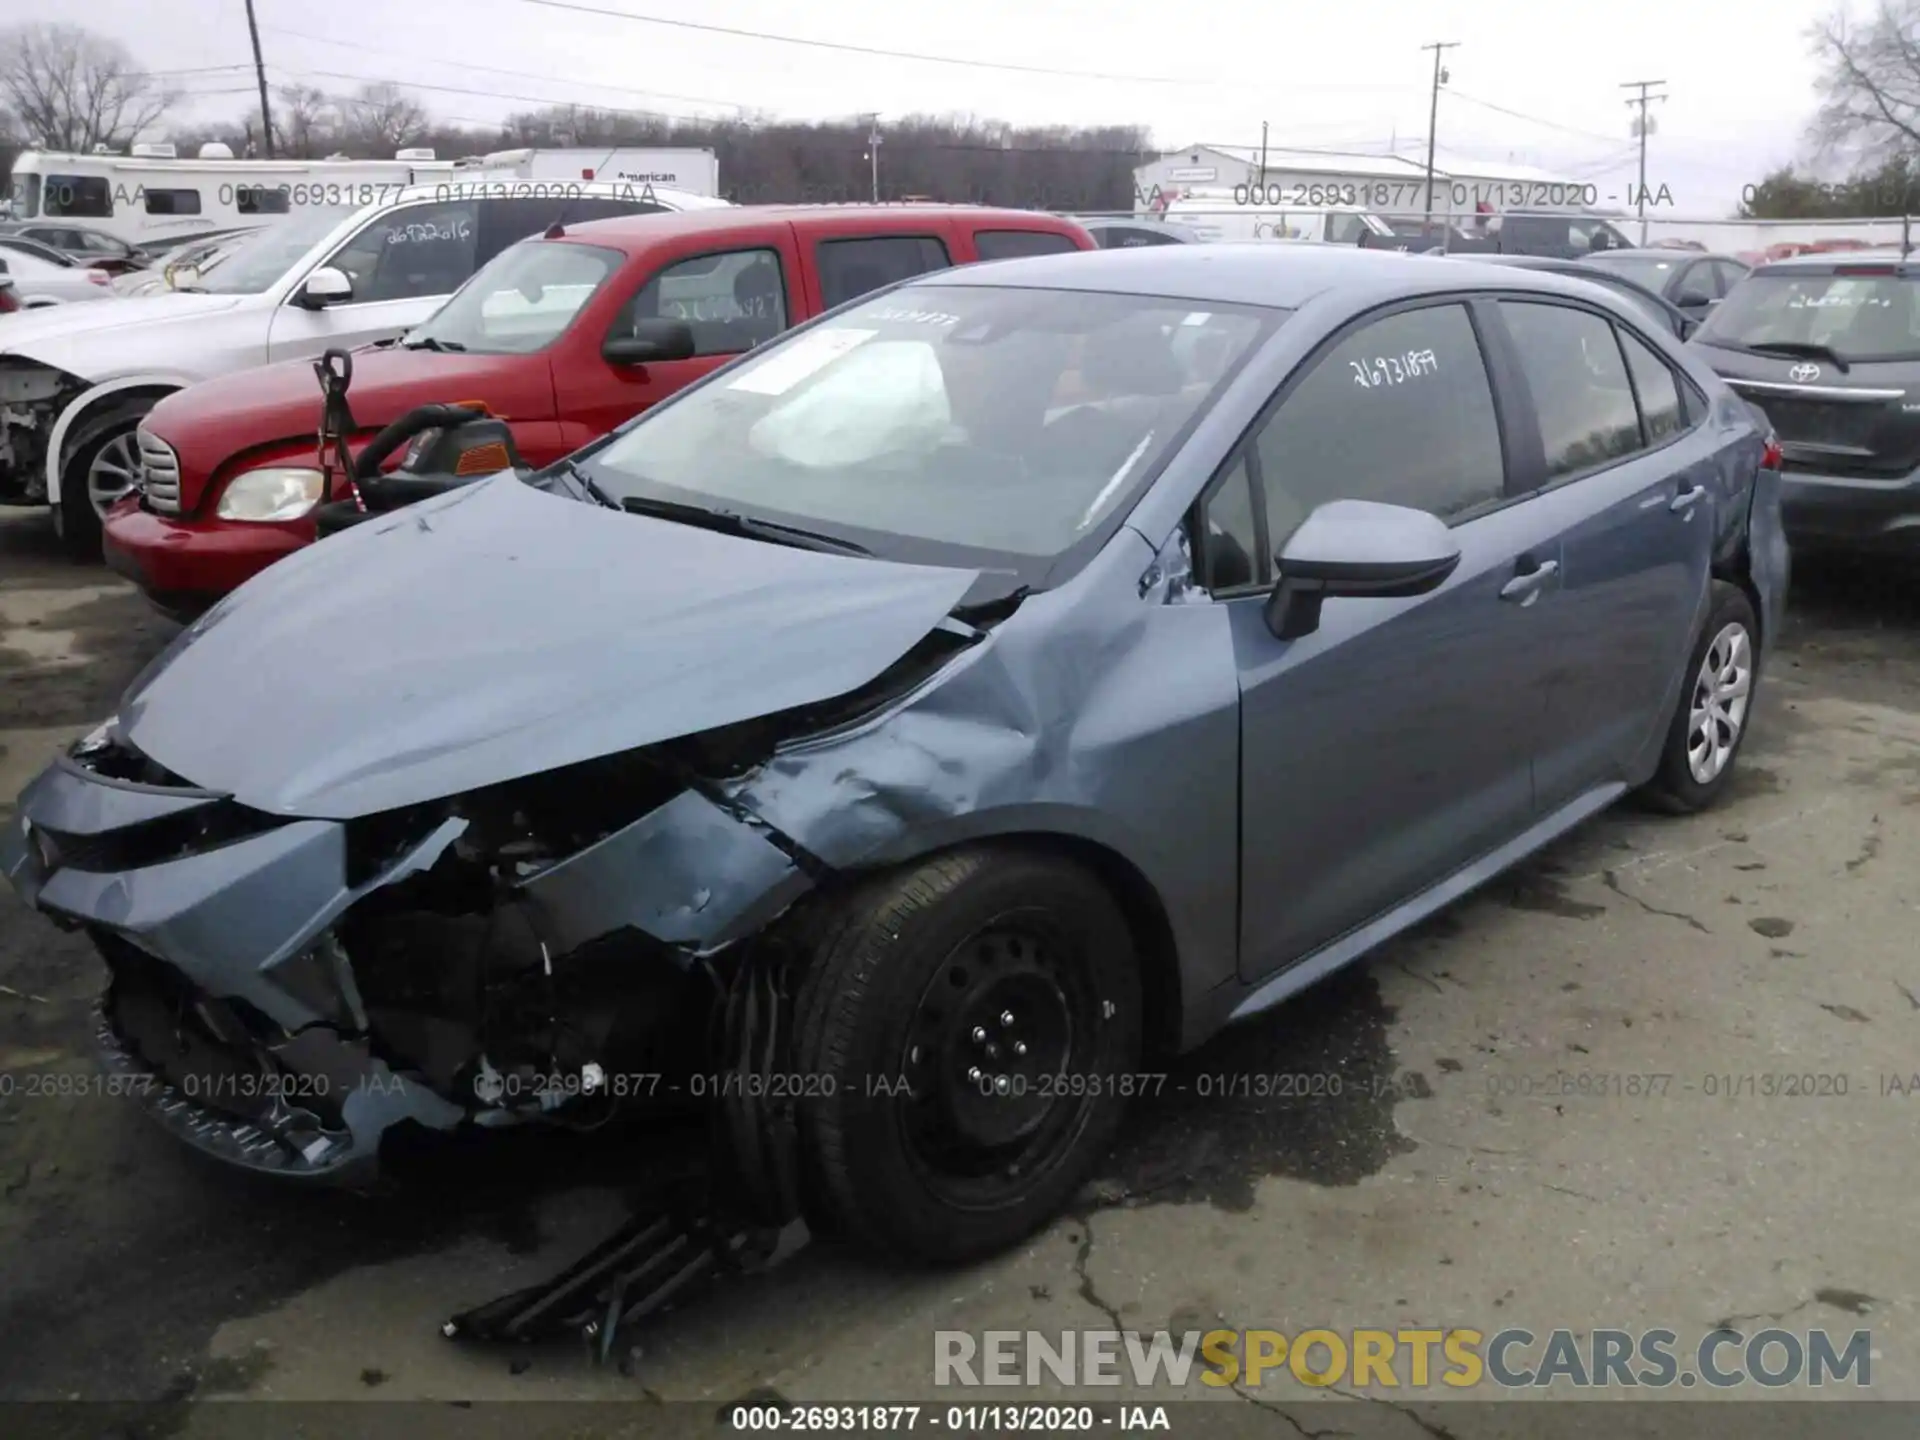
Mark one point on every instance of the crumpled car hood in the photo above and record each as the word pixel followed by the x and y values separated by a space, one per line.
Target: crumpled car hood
pixel 500 631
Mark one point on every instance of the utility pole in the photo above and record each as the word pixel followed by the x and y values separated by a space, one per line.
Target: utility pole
pixel 1643 126
pixel 1263 161
pixel 873 152
pixel 260 74
pixel 1433 115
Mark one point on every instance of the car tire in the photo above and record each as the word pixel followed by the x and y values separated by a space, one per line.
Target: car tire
pixel 75 517
pixel 905 1151
pixel 1711 720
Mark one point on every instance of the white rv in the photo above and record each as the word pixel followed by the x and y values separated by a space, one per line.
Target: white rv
pixel 152 194
pixel 1215 215
pixel 690 171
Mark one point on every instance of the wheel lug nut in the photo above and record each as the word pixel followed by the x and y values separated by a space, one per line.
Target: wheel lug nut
pixel 1000 1085
pixel 1019 1047
pixel 1006 1017
pixel 973 1074
pixel 979 1034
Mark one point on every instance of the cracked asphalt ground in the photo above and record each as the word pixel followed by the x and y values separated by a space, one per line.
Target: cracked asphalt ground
pixel 1772 936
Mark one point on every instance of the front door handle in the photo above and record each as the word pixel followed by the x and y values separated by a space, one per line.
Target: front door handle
pixel 1526 588
pixel 1687 499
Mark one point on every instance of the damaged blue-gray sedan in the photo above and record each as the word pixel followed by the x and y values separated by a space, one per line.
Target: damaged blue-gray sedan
pixel 901 737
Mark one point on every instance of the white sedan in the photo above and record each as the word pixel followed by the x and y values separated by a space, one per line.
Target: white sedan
pixel 39 282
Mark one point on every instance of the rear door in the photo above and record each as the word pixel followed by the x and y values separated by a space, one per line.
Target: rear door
pixel 1627 476
pixel 1395 744
pixel 735 291
pixel 844 264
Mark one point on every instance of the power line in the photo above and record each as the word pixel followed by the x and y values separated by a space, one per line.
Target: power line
pixel 1532 119
pixel 520 74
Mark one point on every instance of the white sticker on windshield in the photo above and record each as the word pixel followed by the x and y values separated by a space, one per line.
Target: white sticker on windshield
pixel 916 317
pixel 779 373
pixel 1198 317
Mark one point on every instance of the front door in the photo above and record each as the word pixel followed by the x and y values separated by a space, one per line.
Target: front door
pixel 733 297
pixel 1630 481
pixel 403 264
pixel 1395 743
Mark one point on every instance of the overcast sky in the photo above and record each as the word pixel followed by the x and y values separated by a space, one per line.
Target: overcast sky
pixel 1322 76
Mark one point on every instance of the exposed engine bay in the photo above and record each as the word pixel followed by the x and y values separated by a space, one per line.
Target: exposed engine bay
pixel 32 397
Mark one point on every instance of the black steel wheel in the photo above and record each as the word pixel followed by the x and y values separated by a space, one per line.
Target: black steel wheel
pixel 962 1033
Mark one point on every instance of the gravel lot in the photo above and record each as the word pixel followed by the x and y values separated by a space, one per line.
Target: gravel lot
pixel 1773 934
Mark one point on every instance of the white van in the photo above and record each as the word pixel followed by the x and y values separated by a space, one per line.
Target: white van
pixel 1215 216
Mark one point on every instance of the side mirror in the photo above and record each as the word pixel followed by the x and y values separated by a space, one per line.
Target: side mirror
pixel 1357 548
pixel 650 342
pixel 1693 300
pixel 325 286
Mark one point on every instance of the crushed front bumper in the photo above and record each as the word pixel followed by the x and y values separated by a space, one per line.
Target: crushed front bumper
pixel 183 566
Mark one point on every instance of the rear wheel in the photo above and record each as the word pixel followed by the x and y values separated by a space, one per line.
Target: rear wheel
pixel 101 464
pixel 964 1034
pixel 1711 720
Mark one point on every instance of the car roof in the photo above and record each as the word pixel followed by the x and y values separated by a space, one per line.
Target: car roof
pixel 1667 252
pixel 1826 261
pixel 903 218
pixel 1280 275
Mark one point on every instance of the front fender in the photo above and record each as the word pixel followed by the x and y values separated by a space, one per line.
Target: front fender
pixel 57 439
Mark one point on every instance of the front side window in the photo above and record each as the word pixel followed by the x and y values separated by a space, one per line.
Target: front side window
pixel 1871 314
pixel 1400 411
pixel 522 302
pixel 78 196
pixel 173 202
pixel 1229 550
pixel 411 253
pixel 852 268
pixel 1011 244
pixel 26 196
pixel 256 262
pixel 1578 382
pixel 732 301
pixel 952 419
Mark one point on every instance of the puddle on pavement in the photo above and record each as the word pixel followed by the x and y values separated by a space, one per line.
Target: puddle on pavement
pixel 1305 1092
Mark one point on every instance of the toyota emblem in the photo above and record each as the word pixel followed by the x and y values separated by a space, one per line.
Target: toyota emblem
pixel 1804 372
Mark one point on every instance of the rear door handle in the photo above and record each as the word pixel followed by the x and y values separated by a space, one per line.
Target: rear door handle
pixel 1687 499
pixel 1526 588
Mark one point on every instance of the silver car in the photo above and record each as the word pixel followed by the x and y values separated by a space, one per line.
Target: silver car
pixel 902 736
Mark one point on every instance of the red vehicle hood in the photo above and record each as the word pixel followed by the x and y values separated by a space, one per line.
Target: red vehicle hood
pixel 253 413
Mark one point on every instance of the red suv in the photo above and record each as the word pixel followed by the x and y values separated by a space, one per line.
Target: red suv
pixel 230 474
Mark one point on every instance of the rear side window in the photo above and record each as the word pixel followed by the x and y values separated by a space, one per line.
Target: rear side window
pixel 80 196
pixel 1400 411
pixel 1659 392
pixel 1579 385
pixel 507 221
pixel 173 202
pixel 261 199
pixel 851 268
pixel 1011 244
pixel 1860 316
pixel 1122 237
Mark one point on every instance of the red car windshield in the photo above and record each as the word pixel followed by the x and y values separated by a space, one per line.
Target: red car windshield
pixel 520 301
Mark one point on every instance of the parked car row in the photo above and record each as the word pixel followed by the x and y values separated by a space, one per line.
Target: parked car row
pixel 1015 671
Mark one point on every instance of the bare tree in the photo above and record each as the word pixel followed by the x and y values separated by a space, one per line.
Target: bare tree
pixel 306 122
pixel 384 117
pixel 1869 81
pixel 71 90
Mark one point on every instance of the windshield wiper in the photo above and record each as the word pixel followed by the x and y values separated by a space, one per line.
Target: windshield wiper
pixel 587 483
pixel 1800 348
pixel 430 342
pixel 729 522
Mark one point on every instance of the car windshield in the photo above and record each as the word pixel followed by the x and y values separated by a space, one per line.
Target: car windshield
pixel 257 262
pixel 1652 271
pixel 965 418
pixel 1855 316
pixel 521 300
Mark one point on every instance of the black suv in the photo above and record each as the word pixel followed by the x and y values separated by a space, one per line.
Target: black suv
pixel 1829 347
pixel 1559 234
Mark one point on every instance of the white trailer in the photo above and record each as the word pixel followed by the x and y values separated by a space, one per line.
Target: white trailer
pixel 152 194
pixel 694 171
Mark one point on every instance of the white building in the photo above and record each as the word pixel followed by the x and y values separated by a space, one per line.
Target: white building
pixel 1385 184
